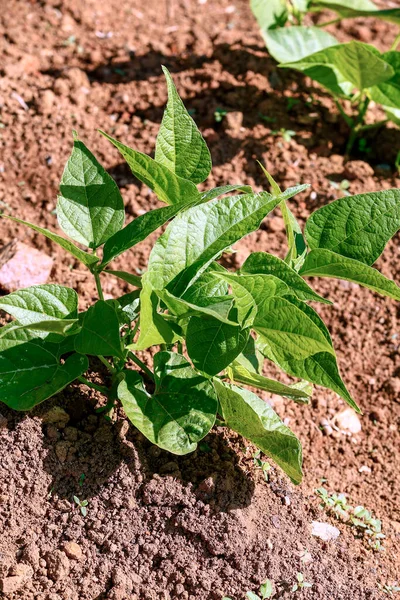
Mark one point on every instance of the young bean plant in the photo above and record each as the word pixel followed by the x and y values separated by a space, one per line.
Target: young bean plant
pixel 210 329
pixel 354 72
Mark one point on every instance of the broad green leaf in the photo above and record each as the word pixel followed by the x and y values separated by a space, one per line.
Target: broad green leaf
pixel 267 264
pixel 269 13
pixel 180 412
pixel 198 236
pixel 180 146
pixel 225 189
pixel 357 8
pixel 207 286
pixel 58 326
pixel 344 67
pixel 212 345
pixel 129 306
pixel 294 337
pixel 297 42
pixel 251 358
pixel 387 93
pixel 324 263
pixel 87 259
pixel 14 334
pixel 358 227
pixel 251 292
pixel 40 303
pixel 99 335
pixel 254 419
pixel 237 372
pixel 168 187
pixel 135 280
pixel 90 208
pixel 219 308
pixel 30 370
pixel 154 328
pixel 138 230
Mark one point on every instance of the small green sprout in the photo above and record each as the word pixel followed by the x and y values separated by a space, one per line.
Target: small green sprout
pixel 82 505
pixel 343 186
pixel 390 590
pixel 300 584
pixel 219 114
pixel 359 517
pixel 81 479
pixel 286 134
pixel 262 464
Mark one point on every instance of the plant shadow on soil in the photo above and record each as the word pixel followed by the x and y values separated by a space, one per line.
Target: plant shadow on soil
pixel 82 456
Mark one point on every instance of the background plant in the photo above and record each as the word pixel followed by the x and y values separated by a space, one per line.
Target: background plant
pixel 213 328
pixel 354 72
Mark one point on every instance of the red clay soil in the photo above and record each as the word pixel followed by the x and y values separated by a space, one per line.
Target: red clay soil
pixel 207 524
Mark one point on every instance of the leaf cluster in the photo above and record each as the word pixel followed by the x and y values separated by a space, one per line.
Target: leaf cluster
pixel 211 330
pixel 354 71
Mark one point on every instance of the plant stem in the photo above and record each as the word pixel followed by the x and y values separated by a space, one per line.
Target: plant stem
pixel 98 285
pixel 373 125
pixel 141 365
pixel 336 20
pixel 358 126
pixel 395 43
pixel 179 347
pixel 98 388
pixel 348 120
pixel 106 364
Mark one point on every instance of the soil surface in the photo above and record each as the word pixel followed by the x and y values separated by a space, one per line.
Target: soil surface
pixel 206 525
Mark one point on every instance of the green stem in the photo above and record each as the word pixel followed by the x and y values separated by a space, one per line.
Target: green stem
pixel 348 120
pixel 98 388
pixel 141 364
pixel 358 126
pixel 179 347
pixel 332 22
pixel 373 125
pixel 395 43
pixel 98 285
pixel 106 364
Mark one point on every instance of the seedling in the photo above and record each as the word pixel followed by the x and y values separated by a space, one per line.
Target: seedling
pixel 82 505
pixel 354 72
pixel 342 186
pixel 300 583
pixel 210 329
pixel 390 590
pixel 219 114
pixel 359 517
pixel 81 479
pixel 266 591
pixel 262 464
pixel 286 134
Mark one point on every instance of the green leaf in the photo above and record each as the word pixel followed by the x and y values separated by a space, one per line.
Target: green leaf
pixel 288 42
pixel 212 345
pixel 225 189
pixel 358 227
pixel 207 286
pixel 219 308
pixel 180 412
pixel 294 337
pixel 135 280
pixel 138 230
pixel 357 8
pixel 251 292
pixel 324 263
pixel 387 93
pixel 345 66
pixel 239 373
pixel 154 328
pixel 129 306
pixel 84 257
pixel 30 370
pixel 90 208
pixel 269 13
pixel 99 335
pixel 198 236
pixel 251 358
pixel 168 187
pixel 180 146
pixel 267 264
pixel 40 303
pixel 58 326
pixel 248 415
